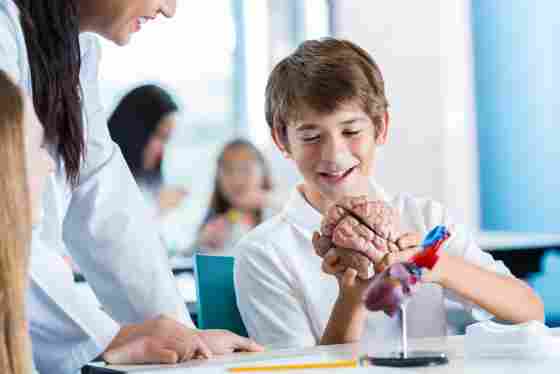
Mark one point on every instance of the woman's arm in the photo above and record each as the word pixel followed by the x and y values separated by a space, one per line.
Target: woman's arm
pixel 108 229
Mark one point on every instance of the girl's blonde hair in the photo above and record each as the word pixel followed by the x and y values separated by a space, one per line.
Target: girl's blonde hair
pixel 15 231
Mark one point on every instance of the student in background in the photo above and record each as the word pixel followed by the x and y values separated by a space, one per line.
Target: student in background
pixel 242 196
pixel 141 125
pixel 24 167
pixel 327 111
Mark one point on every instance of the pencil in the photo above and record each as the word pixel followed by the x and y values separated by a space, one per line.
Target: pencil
pixel 317 365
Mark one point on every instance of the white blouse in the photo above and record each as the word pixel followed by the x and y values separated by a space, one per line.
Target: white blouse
pixel 101 223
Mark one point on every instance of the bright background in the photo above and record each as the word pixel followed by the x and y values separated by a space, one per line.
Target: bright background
pixel 471 86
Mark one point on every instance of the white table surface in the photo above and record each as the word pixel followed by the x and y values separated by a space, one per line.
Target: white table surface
pixel 453 346
pixel 507 241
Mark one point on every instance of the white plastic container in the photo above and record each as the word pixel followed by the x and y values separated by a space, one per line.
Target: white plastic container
pixel 530 340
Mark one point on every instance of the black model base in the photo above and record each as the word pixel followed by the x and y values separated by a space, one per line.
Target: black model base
pixel 412 359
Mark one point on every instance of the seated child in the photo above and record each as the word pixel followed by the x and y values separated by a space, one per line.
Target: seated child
pixel 327 111
pixel 242 196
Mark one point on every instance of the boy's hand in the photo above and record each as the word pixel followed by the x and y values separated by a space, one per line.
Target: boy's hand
pixel 409 244
pixel 337 260
pixel 351 287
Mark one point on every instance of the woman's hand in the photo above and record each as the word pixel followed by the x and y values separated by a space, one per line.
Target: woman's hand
pixel 161 340
pixel 222 342
pixel 170 198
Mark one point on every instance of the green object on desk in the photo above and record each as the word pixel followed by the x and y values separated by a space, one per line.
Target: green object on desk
pixel 215 289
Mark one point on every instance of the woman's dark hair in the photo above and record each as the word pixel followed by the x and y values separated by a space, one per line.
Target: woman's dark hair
pixel 219 203
pixel 52 30
pixel 133 122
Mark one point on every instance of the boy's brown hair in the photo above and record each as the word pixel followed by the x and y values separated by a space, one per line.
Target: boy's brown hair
pixel 322 75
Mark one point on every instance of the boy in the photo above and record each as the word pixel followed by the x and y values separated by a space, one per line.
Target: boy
pixel 327 111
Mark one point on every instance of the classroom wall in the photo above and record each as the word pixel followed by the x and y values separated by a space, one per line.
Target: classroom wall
pixel 517 59
pixel 424 49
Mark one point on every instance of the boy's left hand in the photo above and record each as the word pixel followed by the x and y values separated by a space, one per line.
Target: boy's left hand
pixel 351 286
pixel 409 244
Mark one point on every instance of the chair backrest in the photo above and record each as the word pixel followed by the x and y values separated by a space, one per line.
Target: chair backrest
pixel 215 289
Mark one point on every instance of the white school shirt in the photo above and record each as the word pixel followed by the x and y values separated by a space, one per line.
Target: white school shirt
pixel 104 225
pixel 285 300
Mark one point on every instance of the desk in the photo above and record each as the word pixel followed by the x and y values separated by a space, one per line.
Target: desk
pixel 514 241
pixel 185 284
pixel 453 346
pixel 520 252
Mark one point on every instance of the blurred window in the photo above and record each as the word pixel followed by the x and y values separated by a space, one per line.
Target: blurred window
pixel 214 58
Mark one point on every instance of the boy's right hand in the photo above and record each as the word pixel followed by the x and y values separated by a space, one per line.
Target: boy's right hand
pixel 386 294
pixel 351 287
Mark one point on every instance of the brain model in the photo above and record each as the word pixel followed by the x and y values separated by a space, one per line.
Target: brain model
pixel 359 232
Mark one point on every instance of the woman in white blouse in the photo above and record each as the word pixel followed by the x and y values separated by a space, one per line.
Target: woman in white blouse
pixel 92 207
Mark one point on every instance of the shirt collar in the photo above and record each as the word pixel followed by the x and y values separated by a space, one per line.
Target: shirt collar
pixel 299 212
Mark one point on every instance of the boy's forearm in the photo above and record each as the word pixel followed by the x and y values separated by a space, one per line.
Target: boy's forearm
pixel 346 323
pixel 496 293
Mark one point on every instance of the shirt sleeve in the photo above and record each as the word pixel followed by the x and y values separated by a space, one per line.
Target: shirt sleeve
pixel 462 244
pixel 107 227
pixel 9 48
pixel 67 330
pixel 270 307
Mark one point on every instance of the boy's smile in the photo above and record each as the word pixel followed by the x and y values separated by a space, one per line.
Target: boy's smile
pixel 334 152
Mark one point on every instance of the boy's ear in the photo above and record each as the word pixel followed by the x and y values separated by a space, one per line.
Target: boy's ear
pixel 279 140
pixel 383 130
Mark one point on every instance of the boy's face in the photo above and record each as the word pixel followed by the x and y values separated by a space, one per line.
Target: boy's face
pixel 334 152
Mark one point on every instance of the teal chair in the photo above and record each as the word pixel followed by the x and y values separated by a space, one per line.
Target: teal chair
pixel 215 290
